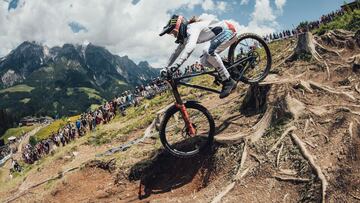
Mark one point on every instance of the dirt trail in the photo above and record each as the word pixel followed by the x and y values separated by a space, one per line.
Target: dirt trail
pixel 300 101
pixel 25 141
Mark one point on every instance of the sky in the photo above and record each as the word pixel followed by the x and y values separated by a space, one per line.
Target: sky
pixel 131 27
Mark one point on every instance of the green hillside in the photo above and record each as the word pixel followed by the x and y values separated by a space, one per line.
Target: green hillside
pixel 348 21
pixel 17 132
pixel 66 81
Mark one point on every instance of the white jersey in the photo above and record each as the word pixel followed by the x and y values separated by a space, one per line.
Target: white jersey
pixel 197 33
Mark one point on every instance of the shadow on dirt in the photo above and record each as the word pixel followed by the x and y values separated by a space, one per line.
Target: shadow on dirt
pixel 255 100
pixel 226 123
pixel 166 172
pixel 255 103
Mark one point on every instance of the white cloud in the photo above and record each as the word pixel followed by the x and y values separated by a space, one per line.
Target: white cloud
pixel 222 6
pixel 210 5
pixel 120 26
pixel 263 19
pixel 280 4
pixel 262 12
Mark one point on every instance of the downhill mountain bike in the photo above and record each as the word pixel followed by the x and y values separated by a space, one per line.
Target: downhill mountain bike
pixel 188 128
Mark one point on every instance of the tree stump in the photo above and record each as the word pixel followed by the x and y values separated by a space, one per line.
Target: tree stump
pixel 305 48
pixel 356 64
pixel 357 38
pixel 255 99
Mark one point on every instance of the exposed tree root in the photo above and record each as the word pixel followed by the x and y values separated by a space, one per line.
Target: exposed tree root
pixel 279 155
pixel 331 90
pixel 236 178
pixel 306 126
pixel 306 86
pixel 310 158
pixel 326 49
pixel 256 132
pixel 327 70
pixel 285 199
pixel 355 197
pixel 307 45
pixel 347 105
pixel 242 163
pixel 357 88
pixel 274 79
pixel 260 128
pixel 317 110
pixel 310 144
pixel 292 179
pixel 228 188
pixel 326 138
pixel 286 132
pixel 232 139
pixel 287 172
pixel 345 109
pixel 288 48
pixel 256 158
pixel 339 38
pixel 351 125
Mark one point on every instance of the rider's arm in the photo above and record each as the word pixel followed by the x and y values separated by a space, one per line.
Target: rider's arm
pixel 175 54
pixel 193 35
pixel 190 44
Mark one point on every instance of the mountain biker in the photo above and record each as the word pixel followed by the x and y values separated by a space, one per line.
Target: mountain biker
pixel 221 35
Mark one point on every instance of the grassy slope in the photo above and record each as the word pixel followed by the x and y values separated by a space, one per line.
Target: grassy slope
pixel 18 88
pixel 140 117
pixel 53 127
pixel 349 21
pixel 17 132
pixel 137 118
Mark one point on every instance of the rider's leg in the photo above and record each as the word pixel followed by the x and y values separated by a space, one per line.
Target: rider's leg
pixel 216 62
pixel 217 45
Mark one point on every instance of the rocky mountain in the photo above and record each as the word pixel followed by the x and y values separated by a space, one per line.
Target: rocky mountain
pixel 38 80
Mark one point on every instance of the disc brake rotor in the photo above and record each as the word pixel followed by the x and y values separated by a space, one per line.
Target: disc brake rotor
pixel 185 132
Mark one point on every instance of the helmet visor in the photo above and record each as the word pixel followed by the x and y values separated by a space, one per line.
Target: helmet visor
pixel 167 29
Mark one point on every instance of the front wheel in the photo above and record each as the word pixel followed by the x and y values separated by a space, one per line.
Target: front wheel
pixel 254 57
pixel 174 134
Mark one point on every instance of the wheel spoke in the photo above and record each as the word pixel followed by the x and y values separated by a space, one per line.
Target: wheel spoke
pixel 259 62
pixel 177 138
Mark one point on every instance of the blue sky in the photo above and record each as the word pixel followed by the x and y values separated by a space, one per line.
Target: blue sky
pixel 293 11
pixel 131 27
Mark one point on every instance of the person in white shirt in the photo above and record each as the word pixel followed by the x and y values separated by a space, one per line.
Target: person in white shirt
pixel 188 34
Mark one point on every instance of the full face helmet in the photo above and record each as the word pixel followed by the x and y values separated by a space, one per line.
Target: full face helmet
pixel 176 26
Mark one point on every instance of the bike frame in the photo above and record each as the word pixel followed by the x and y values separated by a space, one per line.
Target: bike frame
pixel 175 82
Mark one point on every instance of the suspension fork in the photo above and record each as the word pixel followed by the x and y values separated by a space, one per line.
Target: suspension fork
pixel 179 104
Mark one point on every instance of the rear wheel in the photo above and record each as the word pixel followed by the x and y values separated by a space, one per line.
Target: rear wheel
pixel 174 134
pixel 258 58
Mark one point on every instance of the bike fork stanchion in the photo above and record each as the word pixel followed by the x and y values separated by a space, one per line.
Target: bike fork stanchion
pixel 179 104
pixel 186 118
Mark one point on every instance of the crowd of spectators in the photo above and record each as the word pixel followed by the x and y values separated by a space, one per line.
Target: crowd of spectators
pixel 90 120
pixel 4 151
pixel 191 69
pixel 102 115
pixel 304 26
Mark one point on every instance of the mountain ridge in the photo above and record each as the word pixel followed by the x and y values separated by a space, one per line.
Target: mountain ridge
pixel 37 80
